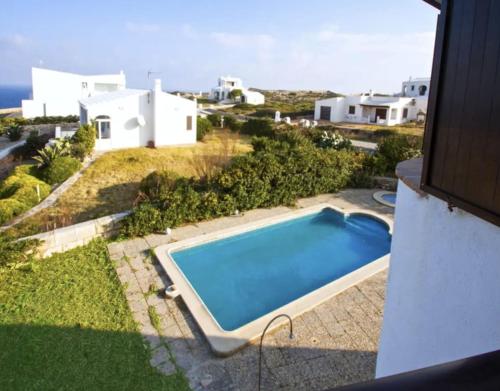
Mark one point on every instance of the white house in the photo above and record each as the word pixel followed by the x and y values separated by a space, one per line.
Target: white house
pixel 226 84
pixel 130 118
pixel 381 110
pixel 57 93
pixel 414 88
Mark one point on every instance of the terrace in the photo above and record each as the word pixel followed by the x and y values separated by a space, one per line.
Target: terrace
pixel 335 343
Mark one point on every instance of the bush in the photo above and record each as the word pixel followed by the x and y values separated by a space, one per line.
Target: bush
pixel 85 135
pixel 214 119
pixel 16 251
pixel 258 127
pixel 394 149
pixel 203 127
pixel 277 172
pixel 14 132
pixel 49 153
pixel 78 151
pixel 59 170
pixel 34 142
pixel 232 123
pixel 18 193
pixel 158 184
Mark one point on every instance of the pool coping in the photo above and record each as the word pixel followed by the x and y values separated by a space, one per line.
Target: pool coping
pixel 379 197
pixel 225 343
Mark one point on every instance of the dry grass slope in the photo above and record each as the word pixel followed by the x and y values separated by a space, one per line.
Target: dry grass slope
pixel 110 185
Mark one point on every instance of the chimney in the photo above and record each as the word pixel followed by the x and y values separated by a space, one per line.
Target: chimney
pixel 157 85
pixel 370 93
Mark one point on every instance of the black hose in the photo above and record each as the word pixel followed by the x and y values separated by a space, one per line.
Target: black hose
pixel 262 340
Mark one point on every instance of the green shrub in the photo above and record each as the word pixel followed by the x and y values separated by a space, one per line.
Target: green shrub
pixel 85 135
pixel 258 127
pixel 203 127
pixel 14 132
pixel 49 153
pixel 232 123
pixel 59 170
pixel 16 251
pixel 78 151
pixel 156 185
pixel 34 142
pixel 214 119
pixel 20 192
pixel 277 172
pixel 394 149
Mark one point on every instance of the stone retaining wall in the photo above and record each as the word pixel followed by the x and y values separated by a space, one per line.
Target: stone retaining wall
pixel 63 239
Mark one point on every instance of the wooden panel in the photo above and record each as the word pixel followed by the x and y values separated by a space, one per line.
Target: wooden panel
pixel 325 113
pixel 462 140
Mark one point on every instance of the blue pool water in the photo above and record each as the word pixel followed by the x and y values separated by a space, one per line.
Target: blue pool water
pixel 390 198
pixel 243 277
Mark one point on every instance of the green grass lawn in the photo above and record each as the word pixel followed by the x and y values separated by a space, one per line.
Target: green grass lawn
pixel 65 324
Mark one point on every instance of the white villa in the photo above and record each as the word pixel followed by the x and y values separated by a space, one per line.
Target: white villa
pixel 57 93
pixel 226 84
pixel 130 118
pixel 409 105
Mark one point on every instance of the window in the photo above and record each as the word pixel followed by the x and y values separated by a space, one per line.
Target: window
pixel 394 113
pixel 405 113
pixel 189 122
pixel 84 85
pixel 422 90
pixel 103 127
pixel 413 88
pixel 352 109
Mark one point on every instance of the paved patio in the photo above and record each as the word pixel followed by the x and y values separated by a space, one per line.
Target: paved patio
pixel 335 343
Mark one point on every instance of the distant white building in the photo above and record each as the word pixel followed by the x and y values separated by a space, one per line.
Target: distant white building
pixel 226 84
pixel 411 105
pixel 130 118
pixel 57 93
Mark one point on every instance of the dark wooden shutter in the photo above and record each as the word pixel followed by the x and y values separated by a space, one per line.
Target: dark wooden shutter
pixel 462 137
pixel 325 113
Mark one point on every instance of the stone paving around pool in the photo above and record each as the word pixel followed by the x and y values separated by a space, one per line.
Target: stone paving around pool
pixel 335 343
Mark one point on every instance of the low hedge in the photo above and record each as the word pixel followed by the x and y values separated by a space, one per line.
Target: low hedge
pixel 277 172
pixel 59 170
pixel 18 193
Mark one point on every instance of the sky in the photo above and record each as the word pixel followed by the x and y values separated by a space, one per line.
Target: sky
pixel 346 46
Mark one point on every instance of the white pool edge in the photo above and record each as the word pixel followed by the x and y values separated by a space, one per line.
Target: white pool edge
pixel 225 342
pixel 379 197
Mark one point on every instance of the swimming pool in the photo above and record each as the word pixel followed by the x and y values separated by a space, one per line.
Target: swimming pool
pixel 387 198
pixel 234 280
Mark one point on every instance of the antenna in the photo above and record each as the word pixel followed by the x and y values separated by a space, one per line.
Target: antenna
pixel 150 72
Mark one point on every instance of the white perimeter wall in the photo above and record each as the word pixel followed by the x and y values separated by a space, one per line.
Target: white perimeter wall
pixel 171 114
pixel 125 130
pixel 443 294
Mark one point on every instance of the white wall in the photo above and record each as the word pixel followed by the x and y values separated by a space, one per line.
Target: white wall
pixel 125 130
pixel 416 84
pixel 443 294
pixel 57 93
pixel 170 119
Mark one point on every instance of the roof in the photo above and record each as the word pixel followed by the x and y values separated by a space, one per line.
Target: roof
pixel 434 3
pixel 111 96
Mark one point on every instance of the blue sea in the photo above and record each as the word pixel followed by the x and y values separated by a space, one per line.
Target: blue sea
pixel 11 96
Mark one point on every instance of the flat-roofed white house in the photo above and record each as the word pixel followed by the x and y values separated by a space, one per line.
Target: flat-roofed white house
pixel 380 110
pixel 131 118
pixel 226 84
pixel 57 93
